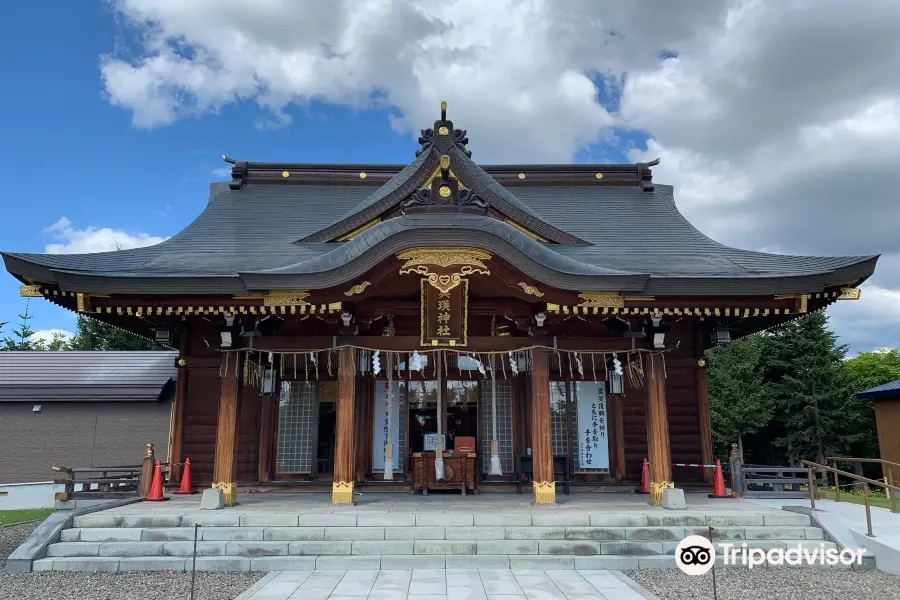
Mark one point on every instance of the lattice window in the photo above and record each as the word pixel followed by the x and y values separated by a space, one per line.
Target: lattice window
pixel 296 427
pixel 504 425
pixel 558 418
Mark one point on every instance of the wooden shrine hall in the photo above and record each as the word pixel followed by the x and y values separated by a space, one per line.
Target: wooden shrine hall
pixel 441 325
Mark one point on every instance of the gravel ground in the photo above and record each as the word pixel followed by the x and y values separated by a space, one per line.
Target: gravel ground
pixel 784 583
pixel 110 586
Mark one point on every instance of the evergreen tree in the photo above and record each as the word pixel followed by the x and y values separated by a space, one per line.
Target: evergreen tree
pixel 95 335
pixel 810 386
pixel 21 338
pixel 739 402
pixel 867 370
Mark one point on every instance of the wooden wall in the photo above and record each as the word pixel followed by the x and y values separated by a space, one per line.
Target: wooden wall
pixel 887 419
pixel 202 397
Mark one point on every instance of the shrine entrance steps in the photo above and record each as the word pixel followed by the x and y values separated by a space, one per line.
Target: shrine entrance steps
pixel 283 531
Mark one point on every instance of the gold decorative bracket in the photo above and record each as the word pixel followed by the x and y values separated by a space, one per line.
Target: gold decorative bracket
pixel 358 288
pixel 83 302
pixel 801 301
pixel 601 299
pixel 30 291
pixel 530 289
pixel 286 299
pixel 850 294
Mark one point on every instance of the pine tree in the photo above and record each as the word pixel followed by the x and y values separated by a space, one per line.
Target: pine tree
pixel 21 338
pixel 739 402
pixel 808 381
pixel 94 335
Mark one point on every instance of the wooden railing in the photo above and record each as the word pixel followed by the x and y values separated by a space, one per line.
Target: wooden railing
pixel 866 482
pixel 887 472
pixel 766 481
pixel 108 482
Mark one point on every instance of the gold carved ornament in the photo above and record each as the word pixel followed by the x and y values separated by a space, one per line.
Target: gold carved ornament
pixel 544 492
pixel 358 288
pixel 530 289
pixel 656 491
pixel 286 298
pixel 601 300
pixel 82 302
pixel 229 492
pixel 30 291
pixel 342 492
pixel 850 294
pixel 468 260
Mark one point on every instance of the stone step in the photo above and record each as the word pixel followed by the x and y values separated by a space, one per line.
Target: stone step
pixel 512 548
pixel 355 562
pixel 342 518
pixel 511 533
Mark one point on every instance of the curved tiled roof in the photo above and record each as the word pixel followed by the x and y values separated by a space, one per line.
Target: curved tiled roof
pixel 251 234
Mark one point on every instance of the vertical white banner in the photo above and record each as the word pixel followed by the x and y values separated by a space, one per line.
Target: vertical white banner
pixel 593 437
pixel 380 424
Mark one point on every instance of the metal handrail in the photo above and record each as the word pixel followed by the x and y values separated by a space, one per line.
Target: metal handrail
pixel 811 466
pixel 887 473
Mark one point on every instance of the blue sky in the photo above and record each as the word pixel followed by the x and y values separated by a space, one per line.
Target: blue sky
pixel 69 153
pixel 752 143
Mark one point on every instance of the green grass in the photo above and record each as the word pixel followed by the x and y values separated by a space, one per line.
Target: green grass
pixel 858 498
pixel 9 517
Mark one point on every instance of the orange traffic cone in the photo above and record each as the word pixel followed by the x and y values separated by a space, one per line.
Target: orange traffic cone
pixel 645 477
pixel 187 485
pixel 156 489
pixel 719 483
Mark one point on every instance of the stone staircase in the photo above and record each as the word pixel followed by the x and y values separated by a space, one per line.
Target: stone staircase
pixel 416 540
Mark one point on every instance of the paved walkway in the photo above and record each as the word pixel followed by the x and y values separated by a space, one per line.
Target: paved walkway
pixel 446 585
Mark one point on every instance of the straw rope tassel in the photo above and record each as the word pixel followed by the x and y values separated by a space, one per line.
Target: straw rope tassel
pixel 496 469
pixel 389 447
pixel 438 447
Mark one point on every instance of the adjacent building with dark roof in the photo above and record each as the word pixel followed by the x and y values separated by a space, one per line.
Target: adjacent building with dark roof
pixel 561 310
pixel 886 398
pixel 81 409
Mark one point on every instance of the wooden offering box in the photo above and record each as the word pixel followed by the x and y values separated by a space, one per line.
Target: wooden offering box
pixel 459 472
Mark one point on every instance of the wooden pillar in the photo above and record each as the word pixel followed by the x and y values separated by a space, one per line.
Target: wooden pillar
pixel 177 432
pixel 706 448
pixel 227 428
pixel 344 458
pixel 267 420
pixel 541 444
pixel 659 453
pixel 618 437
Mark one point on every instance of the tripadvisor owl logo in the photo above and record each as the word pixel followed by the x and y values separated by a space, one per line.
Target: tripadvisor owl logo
pixel 695 555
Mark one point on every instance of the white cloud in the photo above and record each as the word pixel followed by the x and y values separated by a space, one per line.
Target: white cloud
pixel 46 335
pixel 93 239
pixel 222 173
pixel 778 122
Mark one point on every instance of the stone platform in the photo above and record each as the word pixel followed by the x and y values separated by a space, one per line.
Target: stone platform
pixel 304 532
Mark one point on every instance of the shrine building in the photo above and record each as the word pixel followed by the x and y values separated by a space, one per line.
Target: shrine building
pixel 470 327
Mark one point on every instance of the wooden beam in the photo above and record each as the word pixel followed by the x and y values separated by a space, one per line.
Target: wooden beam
pixel 658 449
pixel 541 444
pixel 476 343
pixel 706 447
pixel 344 458
pixel 227 431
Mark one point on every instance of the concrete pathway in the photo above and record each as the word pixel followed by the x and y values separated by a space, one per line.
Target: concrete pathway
pixel 448 584
pixel 845 522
